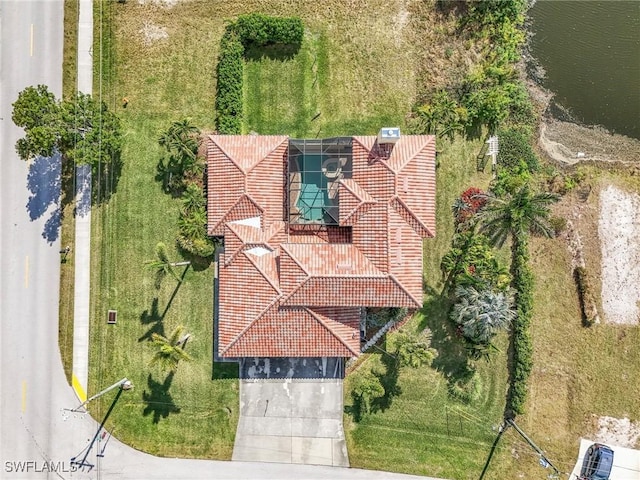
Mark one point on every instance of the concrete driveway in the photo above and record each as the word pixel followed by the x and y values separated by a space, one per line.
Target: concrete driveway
pixel 626 461
pixel 291 412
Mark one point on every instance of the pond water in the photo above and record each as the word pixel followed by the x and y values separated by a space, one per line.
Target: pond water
pixel 590 52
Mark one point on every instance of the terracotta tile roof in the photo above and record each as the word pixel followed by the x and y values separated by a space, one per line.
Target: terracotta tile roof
pixel 291 290
pixel 241 168
pixel 295 332
pixel 330 259
pixel 354 201
pixel 344 292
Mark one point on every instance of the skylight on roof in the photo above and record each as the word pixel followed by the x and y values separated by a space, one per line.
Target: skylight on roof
pixel 250 222
pixel 258 251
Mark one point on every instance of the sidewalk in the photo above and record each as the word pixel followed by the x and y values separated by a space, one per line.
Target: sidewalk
pixel 82 249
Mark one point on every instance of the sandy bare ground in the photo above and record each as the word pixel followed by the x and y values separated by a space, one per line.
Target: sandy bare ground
pixel 618 431
pixel 152 32
pixel 619 232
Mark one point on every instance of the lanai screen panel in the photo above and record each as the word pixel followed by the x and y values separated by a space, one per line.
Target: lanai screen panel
pixel 315 168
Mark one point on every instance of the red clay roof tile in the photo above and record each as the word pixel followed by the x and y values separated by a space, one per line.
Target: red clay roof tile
pixel 297 291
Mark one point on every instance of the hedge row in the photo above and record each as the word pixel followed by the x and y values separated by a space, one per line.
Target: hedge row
pixel 264 30
pixel 252 29
pixel 585 296
pixel 522 347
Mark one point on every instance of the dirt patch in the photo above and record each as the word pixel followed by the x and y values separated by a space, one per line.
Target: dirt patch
pixel 618 431
pixel 159 3
pixel 152 33
pixel 619 232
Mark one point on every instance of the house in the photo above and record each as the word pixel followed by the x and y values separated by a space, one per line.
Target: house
pixel 314 231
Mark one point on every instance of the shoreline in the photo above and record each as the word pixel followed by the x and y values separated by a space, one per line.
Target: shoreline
pixel 563 140
pixel 571 143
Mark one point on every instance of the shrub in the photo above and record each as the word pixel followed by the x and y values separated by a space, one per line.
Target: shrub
pixel 229 95
pixel 442 115
pixel 192 236
pixel 263 30
pixel 515 146
pixel 471 262
pixel 559 224
pixel 510 181
pixel 465 390
pixel 522 362
pixel 256 29
pixel 470 202
pixel 365 391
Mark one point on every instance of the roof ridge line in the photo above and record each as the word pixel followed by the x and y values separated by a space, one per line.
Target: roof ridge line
pixel 348 187
pixel 392 277
pixel 409 212
pixel 244 330
pixel 257 266
pixel 330 330
pixel 429 140
pixel 286 139
pixel 246 172
pixel 293 258
pixel 286 298
pixel 226 154
pixel 235 253
pixel 243 195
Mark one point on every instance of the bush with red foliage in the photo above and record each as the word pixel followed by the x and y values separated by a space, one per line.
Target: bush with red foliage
pixel 470 202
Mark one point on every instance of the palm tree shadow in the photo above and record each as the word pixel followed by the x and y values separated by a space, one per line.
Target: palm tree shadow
pixel 158 399
pixel 175 291
pixel 154 317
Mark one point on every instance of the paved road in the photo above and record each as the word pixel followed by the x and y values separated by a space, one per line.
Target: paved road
pixel 33 385
pixel 39 436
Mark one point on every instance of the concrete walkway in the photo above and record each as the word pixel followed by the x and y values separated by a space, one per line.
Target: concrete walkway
pixel 82 251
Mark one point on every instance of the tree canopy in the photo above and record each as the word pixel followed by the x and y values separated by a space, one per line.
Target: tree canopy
pixel 82 129
pixel 521 213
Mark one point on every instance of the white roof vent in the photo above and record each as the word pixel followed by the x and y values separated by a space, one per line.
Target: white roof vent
pixel 389 135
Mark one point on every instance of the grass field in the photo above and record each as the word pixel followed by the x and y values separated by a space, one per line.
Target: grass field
pixel 358 71
pixel 579 373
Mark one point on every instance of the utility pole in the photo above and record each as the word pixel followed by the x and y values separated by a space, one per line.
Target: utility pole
pixel 544 461
pixel 83 463
pixel 124 384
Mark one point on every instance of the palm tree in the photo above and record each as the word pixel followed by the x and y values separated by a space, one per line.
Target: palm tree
pixel 414 351
pixel 181 140
pixel 170 349
pixel 192 224
pixel 482 313
pixel 193 198
pixel 163 266
pixel 516 215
